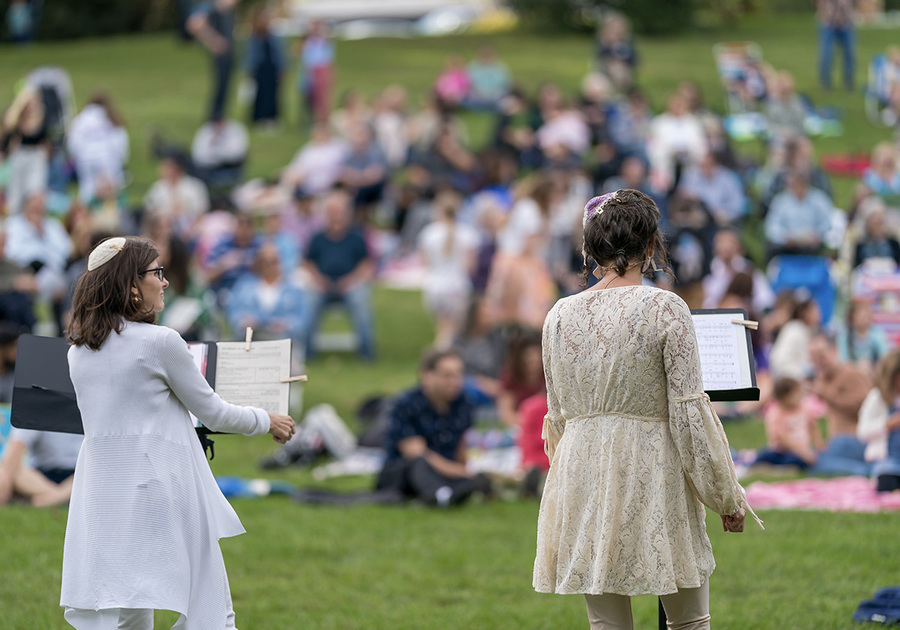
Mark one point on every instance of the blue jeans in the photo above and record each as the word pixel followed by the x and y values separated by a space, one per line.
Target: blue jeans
pixel 358 302
pixel 846 38
pixel 844 455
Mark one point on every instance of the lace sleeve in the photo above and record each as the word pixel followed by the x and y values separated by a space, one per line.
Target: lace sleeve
pixel 554 423
pixel 696 429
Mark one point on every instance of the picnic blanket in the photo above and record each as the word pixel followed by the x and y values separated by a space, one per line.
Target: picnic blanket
pixel 835 494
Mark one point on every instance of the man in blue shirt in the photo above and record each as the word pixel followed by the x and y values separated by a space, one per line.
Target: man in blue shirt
pixel 341 271
pixel 426 452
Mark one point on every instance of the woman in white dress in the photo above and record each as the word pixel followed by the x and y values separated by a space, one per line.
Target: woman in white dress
pixel 448 248
pixel 146 513
pixel 636 449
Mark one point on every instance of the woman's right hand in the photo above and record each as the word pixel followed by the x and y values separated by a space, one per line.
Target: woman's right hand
pixel 735 522
pixel 281 427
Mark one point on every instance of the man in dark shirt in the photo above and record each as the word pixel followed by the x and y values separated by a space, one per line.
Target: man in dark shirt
pixel 426 453
pixel 341 270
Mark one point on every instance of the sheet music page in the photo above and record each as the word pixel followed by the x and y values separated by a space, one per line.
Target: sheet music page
pixel 254 378
pixel 723 356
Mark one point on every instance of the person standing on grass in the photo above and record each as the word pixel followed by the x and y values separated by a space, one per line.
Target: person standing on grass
pixel 212 24
pixel 636 449
pixel 146 514
pixel 836 25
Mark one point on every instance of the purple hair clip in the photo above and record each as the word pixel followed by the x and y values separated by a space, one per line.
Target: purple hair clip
pixel 594 207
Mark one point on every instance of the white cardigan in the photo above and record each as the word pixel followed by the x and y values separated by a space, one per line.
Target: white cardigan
pixel 146 513
pixel 872 426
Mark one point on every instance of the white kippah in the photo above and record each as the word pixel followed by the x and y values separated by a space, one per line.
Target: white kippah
pixel 105 251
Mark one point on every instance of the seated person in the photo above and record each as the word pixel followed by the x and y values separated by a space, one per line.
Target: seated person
pixel 364 169
pixel 232 256
pixel 40 242
pixel 177 196
pixel 534 460
pixel 799 218
pixel 843 388
pixel 521 377
pixel 879 422
pixel 875 240
pixel 718 187
pixel 426 452
pixel 341 271
pixel 481 346
pixel 18 286
pixel 728 261
pixel 792 427
pixel 489 80
pixel 46 479
pixel 858 340
pixel 317 166
pixel 219 151
pixel 267 301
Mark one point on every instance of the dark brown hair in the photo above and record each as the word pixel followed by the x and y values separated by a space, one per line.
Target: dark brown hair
pixel 102 301
pixel 624 232
pixel 784 387
pixel 433 357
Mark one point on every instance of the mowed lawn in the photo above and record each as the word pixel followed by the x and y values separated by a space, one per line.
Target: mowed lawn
pixel 395 568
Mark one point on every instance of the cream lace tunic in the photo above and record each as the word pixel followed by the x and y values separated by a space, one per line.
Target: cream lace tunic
pixel 636 449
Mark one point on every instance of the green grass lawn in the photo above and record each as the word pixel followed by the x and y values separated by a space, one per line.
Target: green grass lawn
pixel 392 568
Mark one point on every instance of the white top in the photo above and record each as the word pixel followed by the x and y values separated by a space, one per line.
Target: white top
pixel 872 426
pixel 183 202
pixel 99 150
pixel 24 244
pixel 316 167
pixel 636 449
pixel 525 219
pixel 146 513
pixel 789 355
pixel 217 144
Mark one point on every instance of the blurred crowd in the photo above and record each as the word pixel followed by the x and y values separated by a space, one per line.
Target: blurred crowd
pixel 392 190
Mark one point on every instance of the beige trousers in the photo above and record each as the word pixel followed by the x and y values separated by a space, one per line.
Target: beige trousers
pixel 688 609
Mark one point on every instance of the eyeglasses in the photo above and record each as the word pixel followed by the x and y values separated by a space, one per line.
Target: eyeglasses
pixel 159 271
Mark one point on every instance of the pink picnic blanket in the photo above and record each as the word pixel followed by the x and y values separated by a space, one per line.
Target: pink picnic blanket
pixel 837 494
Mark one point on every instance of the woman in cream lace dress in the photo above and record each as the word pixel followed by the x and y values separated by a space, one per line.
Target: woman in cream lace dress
pixel 636 449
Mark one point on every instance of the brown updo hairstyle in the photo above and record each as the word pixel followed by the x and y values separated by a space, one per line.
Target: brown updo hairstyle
pixel 623 233
pixel 102 301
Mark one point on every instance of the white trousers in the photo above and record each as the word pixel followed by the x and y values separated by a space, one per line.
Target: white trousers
pixel 688 609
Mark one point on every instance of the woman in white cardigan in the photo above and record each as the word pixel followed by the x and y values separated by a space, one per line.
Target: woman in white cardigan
pixel 146 513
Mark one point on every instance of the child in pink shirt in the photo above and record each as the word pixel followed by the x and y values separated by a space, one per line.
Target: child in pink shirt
pixel 792 430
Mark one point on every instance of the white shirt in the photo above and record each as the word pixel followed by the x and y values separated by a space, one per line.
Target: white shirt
pixel 318 166
pixel 146 513
pixel 25 244
pixel 99 150
pixel 186 200
pixel 525 219
pixel 215 145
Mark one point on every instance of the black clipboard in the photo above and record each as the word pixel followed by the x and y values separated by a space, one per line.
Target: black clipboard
pixel 43 395
pixel 743 345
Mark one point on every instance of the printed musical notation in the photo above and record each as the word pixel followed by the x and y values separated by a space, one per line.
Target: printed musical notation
pixel 723 351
